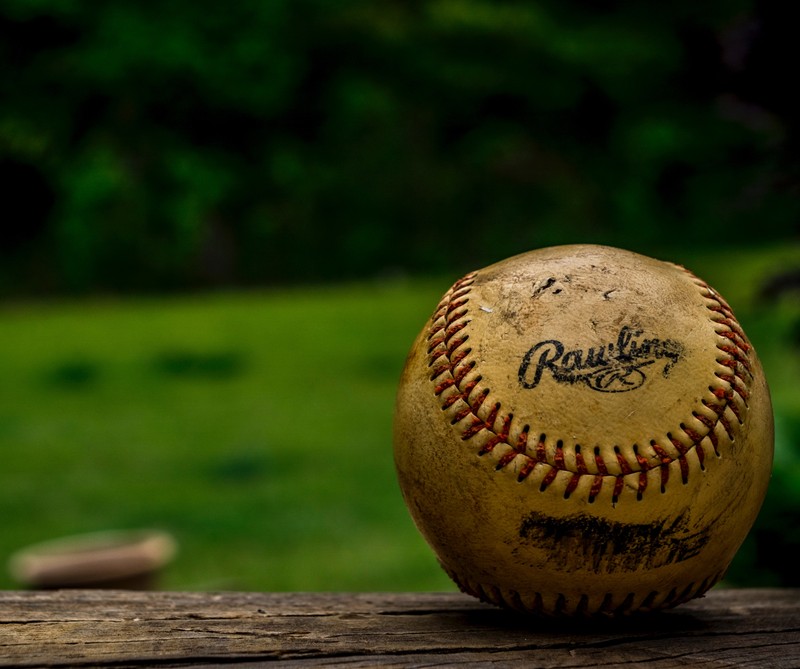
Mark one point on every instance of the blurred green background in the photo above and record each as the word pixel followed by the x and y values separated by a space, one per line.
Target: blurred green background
pixel 226 223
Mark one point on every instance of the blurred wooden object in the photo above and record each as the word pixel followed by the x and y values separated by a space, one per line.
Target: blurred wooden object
pixel 727 628
pixel 128 559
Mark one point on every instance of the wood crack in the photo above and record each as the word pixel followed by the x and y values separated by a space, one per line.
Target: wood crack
pixel 725 628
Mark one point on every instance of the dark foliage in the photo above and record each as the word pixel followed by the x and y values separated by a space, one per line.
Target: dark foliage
pixel 177 144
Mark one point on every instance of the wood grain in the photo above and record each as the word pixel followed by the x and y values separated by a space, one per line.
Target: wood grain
pixel 727 628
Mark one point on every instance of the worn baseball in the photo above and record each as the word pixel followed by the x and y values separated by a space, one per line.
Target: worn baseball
pixel 582 430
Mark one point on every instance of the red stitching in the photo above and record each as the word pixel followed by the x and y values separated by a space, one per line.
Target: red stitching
pixel 573 483
pixel 522 440
pixel 548 479
pixel 660 452
pixel 452 330
pixel 450 401
pixel 447 354
pixel 644 465
pixel 525 471
pixel 541 453
pixel 456 304
pixel 733 381
pixel 736 412
pixel 559 456
pixel 463 370
pixel 623 463
pixel 677 444
pixel 737 354
pixel 597 484
pixel 472 430
pixel 664 477
pixel 600 463
pixel 726 425
pixel 693 436
pixel 492 416
pixel 479 400
pixel 534 602
pixel 684 464
pixel 508 457
pixel 458 357
pixel 642 483
pixel 444 385
pixel 580 463
pixel 461 415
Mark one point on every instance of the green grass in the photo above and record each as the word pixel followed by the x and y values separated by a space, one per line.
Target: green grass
pixel 256 427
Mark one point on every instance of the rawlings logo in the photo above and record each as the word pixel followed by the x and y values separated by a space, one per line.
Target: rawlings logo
pixel 615 367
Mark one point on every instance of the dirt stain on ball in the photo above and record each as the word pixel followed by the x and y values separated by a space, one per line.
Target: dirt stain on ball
pixel 607 546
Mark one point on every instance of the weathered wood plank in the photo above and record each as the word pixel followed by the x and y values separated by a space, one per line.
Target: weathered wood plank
pixel 728 628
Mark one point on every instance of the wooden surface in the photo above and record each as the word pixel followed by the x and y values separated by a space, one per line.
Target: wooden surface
pixel 727 628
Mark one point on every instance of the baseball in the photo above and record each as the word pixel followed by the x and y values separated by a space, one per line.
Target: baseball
pixel 582 430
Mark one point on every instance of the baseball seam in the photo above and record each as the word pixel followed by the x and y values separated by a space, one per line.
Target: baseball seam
pixel 459 389
pixel 609 606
